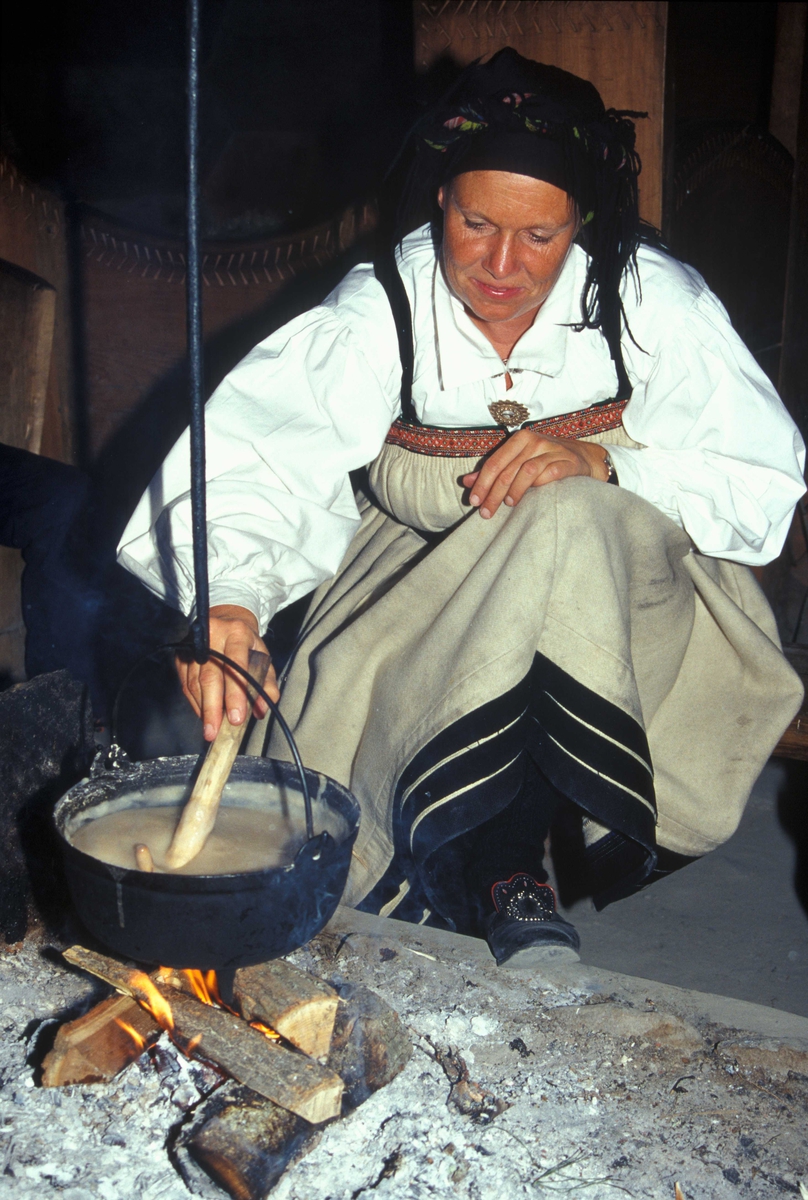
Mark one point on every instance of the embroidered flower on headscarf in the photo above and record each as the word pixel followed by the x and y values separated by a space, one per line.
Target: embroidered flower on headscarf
pixel 516 98
pixel 464 124
pixel 466 121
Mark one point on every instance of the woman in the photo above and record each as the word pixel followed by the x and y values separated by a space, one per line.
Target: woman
pixel 590 635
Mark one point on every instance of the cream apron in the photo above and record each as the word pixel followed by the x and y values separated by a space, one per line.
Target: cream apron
pixel 645 679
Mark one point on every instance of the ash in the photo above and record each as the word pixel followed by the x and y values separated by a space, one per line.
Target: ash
pixel 110 1141
pixel 572 1081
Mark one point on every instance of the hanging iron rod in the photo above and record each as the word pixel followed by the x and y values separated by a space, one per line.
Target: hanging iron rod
pixel 193 298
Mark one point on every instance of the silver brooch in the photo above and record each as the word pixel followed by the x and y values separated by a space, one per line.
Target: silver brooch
pixel 507 412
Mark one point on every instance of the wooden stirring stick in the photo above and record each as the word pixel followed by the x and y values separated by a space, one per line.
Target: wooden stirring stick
pixel 199 815
pixel 143 857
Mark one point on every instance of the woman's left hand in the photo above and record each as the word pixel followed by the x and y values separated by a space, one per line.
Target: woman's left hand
pixel 529 460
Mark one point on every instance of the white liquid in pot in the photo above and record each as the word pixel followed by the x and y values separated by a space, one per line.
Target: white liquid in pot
pixel 243 839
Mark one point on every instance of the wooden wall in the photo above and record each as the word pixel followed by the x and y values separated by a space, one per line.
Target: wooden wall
pixel 620 47
pixel 33 236
pixel 132 316
pixel 36 401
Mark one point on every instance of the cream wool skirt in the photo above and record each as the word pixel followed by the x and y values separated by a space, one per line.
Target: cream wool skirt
pixel 581 627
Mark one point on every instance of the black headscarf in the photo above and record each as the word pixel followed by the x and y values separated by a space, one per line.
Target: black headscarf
pixel 529 118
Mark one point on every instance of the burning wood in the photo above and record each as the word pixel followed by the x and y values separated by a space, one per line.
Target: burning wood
pixel 246 1133
pixel 95 1047
pixel 300 1007
pixel 293 1081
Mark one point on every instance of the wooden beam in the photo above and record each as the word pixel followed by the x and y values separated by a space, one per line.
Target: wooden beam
pixel 788 51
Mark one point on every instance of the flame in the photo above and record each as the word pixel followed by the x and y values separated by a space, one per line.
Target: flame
pixel 202 984
pixel 205 987
pixel 152 999
pixel 136 1037
pixel 265 1029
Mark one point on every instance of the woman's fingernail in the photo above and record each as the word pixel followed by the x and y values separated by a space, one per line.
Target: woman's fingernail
pixel 485 513
pixel 509 501
pixel 235 716
pixel 208 732
pixel 475 500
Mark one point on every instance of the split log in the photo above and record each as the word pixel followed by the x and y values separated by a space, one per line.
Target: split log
pixel 245 1142
pixel 290 1079
pixel 370 1045
pixel 297 1005
pixel 95 1047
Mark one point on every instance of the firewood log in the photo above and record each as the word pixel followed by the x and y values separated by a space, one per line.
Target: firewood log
pixel 95 1047
pixel 245 1142
pixel 369 1046
pixel 243 1137
pixel 290 1079
pixel 297 1005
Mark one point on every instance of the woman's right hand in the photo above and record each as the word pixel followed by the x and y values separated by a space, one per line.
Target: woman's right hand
pixel 214 687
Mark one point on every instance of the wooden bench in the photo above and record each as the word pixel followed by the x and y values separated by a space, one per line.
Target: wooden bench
pixel 794 742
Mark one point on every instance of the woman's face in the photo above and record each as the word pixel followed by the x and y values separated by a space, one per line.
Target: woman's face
pixel 505 239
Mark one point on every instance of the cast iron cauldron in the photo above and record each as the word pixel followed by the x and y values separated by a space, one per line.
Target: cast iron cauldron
pixel 209 921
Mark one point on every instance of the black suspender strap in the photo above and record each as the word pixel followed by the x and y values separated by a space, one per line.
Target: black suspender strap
pixel 387 273
pixel 388 276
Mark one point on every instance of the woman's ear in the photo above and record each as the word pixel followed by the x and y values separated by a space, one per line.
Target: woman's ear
pixel 441 196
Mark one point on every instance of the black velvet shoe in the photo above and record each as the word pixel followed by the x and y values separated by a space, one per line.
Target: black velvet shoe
pixel 526 931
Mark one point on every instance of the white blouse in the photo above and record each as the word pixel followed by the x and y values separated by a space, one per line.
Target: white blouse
pixel 314 401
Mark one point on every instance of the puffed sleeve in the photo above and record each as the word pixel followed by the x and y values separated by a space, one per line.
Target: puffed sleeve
pixel 720 455
pixel 303 409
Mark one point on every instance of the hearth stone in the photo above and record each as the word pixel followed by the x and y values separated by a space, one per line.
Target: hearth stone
pixel 46 743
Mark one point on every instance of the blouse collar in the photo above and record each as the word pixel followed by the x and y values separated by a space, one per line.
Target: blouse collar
pixel 466 356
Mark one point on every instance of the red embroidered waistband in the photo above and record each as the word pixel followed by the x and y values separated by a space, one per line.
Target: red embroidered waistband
pixel 474 443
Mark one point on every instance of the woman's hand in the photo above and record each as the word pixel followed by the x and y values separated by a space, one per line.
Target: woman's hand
pixel 213 687
pixel 527 460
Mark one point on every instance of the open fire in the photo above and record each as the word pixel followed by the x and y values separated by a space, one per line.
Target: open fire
pixel 297 1053
pixel 203 985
